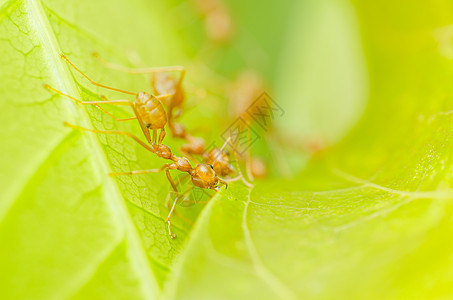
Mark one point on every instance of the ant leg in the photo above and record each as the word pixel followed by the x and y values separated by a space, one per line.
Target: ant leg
pixel 137 70
pixel 144 145
pixel 172 235
pixel 164 96
pixel 116 102
pixel 180 216
pixel 233 179
pixel 154 136
pixel 119 120
pixel 144 128
pixel 139 172
pixel 164 167
pixel 106 112
pixel 93 82
pixel 167 202
pixel 162 135
pixel 96 103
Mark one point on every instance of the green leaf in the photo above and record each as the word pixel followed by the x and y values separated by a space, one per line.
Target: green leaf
pixel 370 217
pixel 67 228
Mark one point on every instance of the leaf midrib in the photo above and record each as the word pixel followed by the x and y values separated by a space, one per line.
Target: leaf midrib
pixel 61 73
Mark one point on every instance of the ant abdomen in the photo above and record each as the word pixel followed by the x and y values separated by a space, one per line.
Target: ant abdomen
pixel 152 111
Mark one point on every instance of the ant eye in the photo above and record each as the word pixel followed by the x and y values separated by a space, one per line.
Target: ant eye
pixel 211 167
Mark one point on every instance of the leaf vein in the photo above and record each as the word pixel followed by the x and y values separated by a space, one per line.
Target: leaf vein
pixel 136 250
pixel 447 193
pixel 261 270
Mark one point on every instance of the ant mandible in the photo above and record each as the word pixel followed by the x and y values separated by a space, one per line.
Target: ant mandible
pixel 147 108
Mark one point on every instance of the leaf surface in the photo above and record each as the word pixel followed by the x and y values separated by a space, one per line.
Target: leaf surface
pixel 369 216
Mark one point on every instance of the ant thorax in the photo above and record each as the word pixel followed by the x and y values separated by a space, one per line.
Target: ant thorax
pixel 204 176
pixel 151 111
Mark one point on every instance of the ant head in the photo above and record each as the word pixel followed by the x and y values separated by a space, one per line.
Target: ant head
pixel 204 176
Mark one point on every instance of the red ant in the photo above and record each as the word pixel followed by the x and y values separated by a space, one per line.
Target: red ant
pixel 147 108
pixel 164 85
pixel 202 175
pixel 151 115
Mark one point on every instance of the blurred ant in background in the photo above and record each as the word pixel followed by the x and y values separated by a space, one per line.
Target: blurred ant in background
pixel 218 22
pixel 243 92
